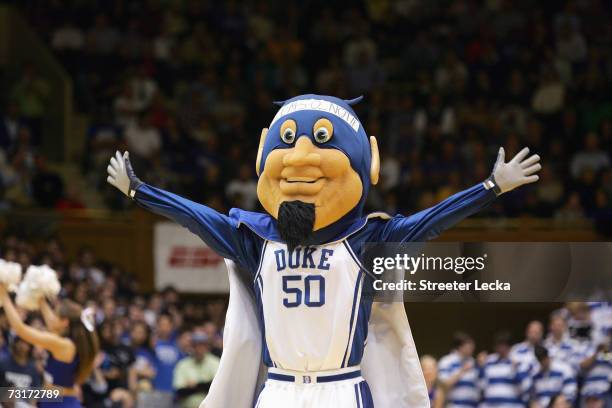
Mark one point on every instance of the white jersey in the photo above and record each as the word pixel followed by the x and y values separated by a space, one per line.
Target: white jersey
pixel 314 316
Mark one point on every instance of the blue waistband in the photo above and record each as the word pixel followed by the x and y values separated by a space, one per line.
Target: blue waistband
pixel 306 379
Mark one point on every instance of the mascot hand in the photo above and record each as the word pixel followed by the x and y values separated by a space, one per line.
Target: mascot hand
pixel 121 174
pixel 518 171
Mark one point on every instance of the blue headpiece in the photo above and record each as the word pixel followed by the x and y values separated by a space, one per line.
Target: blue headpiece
pixel 349 135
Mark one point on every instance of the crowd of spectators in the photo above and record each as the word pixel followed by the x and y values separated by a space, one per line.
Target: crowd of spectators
pixel 187 85
pixel 570 365
pixel 157 348
pixel 26 180
pixel 161 348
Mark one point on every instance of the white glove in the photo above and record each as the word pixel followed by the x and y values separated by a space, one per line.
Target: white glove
pixel 508 176
pixel 121 175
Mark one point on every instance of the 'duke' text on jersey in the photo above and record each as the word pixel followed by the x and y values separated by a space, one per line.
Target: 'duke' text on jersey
pixel 306 257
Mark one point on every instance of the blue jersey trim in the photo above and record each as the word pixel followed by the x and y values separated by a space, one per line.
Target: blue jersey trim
pixel 357 396
pixel 267 359
pixel 261 257
pixel 354 312
pixel 356 259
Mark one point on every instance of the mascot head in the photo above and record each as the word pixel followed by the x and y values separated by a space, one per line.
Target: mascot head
pixel 315 164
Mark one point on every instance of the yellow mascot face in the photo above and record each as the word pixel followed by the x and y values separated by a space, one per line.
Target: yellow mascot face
pixel 306 157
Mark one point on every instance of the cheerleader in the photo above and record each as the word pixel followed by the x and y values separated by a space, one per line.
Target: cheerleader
pixel 70 340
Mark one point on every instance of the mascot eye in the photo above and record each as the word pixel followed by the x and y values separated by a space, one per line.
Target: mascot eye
pixel 323 130
pixel 287 131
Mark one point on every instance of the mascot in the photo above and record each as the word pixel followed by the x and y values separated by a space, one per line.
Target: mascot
pixel 299 331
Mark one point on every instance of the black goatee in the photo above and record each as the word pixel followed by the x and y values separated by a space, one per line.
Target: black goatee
pixel 295 222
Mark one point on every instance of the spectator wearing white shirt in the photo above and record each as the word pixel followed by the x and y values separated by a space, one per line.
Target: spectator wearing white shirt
pixel 590 158
pixel 522 352
pixel 143 139
pixel 458 373
pixel 436 114
pixel 601 316
pixel 144 87
pixel 390 172
pixel 10 122
pixel 126 107
pixel 596 367
pixel 549 96
pixel 68 37
pixel 504 383
pixel 558 343
pixel 243 189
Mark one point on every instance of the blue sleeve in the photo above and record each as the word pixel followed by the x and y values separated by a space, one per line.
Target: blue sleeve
pixel 217 230
pixel 430 223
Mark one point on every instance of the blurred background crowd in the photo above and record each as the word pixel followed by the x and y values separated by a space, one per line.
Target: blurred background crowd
pixel 187 85
pixel 562 363
pixel 163 348
pixel 158 346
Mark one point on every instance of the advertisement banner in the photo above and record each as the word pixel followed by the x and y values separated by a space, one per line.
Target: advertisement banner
pixel 183 261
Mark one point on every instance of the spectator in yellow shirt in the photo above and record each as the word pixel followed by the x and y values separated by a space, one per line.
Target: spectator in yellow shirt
pixel 194 374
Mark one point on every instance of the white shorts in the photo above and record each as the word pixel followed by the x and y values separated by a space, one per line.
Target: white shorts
pixel 343 388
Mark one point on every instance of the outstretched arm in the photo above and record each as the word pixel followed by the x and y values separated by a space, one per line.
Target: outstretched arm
pixel 49 316
pixel 217 230
pixel 62 348
pixel 429 223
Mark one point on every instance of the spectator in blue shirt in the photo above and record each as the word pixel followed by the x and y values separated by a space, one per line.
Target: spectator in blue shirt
pixel 167 352
pixel 145 362
pixel 18 368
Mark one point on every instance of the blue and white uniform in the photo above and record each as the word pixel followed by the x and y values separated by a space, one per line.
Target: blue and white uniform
pixel 313 315
pixel 560 378
pixel 561 350
pixel 598 377
pixel 601 316
pixel 522 353
pixel 312 310
pixel 62 375
pixel 465 392
pixel 504 383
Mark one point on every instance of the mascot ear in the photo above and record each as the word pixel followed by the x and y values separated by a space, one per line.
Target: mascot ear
pixel 262 140
pixel 375 163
